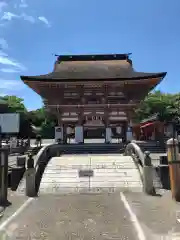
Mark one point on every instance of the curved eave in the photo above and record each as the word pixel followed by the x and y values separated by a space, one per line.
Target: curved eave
pixel 50 78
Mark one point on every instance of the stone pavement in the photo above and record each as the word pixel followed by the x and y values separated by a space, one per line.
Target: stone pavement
pixel 73 217
pixel 159 216
pixel 15 201
pixel 96 216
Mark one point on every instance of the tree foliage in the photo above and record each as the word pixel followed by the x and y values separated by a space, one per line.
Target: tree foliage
pixel 165 104
pixel 15 104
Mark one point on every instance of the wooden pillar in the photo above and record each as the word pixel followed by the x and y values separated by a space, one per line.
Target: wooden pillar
pixel 82 101
pixel 59 116
pixel 61 124
pixel 105 101
pixel 81 109
pixel 106 110
pixel 125 126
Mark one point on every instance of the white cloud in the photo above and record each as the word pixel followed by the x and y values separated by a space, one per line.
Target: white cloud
pixel 9 70
pixel 2 5
pixel 28 18
pixel 44 20
pixel 5 60
pixel 11 84
pixel 3 43
pixel 9 16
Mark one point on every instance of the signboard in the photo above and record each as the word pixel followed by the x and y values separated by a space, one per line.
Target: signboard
pixel 9 122
pixel 86 173
pixel 94 123
pixel 94 118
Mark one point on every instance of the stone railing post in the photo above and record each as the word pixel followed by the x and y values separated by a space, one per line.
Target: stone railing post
pixel 148 175
pixel 30 178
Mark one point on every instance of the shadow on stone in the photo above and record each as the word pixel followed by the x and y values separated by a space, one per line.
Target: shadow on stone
pixel 5 205
pixel 156 194
pixel 41 168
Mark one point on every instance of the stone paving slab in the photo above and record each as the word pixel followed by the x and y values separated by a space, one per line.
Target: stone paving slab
pixel 87 217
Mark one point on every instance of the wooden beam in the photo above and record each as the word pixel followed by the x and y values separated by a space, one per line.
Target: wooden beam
pixel 95 105
pixel 116 81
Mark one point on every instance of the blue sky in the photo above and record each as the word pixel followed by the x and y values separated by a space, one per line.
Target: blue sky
pixel 31 31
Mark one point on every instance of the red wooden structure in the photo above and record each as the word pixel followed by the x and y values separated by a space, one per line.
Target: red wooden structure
pixel 100 89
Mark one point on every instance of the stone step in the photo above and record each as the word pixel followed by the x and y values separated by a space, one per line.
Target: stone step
pixel 97 172
pixel 113 171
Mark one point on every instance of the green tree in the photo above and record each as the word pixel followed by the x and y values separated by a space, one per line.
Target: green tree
pixel 15 104
pixel 164 104
pixel 43 123
pixel 37 117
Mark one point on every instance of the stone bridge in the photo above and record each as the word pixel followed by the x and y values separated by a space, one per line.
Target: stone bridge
pixel 89 196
